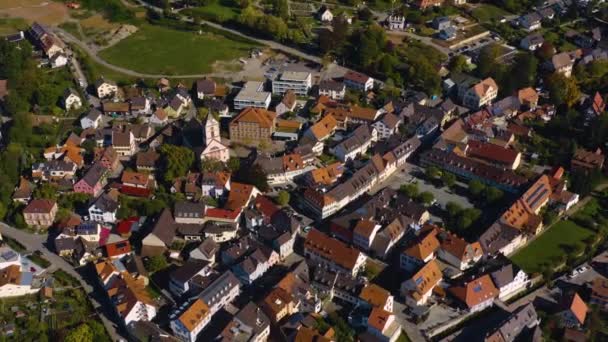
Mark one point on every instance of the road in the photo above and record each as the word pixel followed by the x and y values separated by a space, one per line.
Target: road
pixel 424 40
pixel 34 242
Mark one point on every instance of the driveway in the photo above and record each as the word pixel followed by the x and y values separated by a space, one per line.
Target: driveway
pixel 34 242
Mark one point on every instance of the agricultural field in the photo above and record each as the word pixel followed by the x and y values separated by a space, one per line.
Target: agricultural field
pixel 45 12
pixel 487 13
pixel 159 50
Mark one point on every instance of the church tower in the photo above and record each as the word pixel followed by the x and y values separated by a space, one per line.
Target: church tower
pixel 212 129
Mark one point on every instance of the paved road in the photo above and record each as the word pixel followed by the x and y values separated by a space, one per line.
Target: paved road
pixel 34 242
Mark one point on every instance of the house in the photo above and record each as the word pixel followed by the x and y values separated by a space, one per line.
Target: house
pixel 333 89
pixel 105 88
pixel 249 324
pixel 205 88
pixel 510 280
pixel 448 33
pixel 530 21
pixel 375 296
pixel 389 236
pixel 387 125
pixel 418 289
pixel 189 212
pixel 420 251
pixel 333 253
pixel 395 22
pixel 15 281
pixel 325 176
pixel 287 104
pixel 93 181
pixel 358 81
pixel 118 250
pixel 382 326
pixel 563 63
pixel 123 141
pixel 255 265
pixel 501 238
pixel 91 120
pixel 146 161
pixel 103 208
pixel 325 15
pixel 46 40
pixel 240 195
pixel 221 291
pixel 299 82
pixel 159 117
pixel 279 304
pixel 206 251
pixel 280 170
pixel 181 278
pixel 192 319
pixel 162 235
pixel 424 4
pixel 23 192
pixel 522 319
pixel 597 106
pixel 54 171
pixel 71 100
pixel 504 158
pixel 107 157
pixel 528 97
pixel 574 311
pixel 480 94
pixel 457 252
pixel 252 126
pixel 139 105
pixel 587 161
pixel 477 294
pixel 40 213
pixel 215 184
pixel 322 129
pixel 532 42
pixel 365 233
pixel 356 144
pixel 441 23
pixel 252 95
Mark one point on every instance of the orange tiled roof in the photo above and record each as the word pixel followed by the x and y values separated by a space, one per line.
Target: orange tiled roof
pixel 332 249
pixel 579 308
pixel 136 178
pixel 483 87
pixel 239 195
pixel 426 279
pixel 378 319
pixel 362 113
pixel 324 127
pixel 375 295
pixel 194 314
pixel 424 247
pixel 365 228
pixel 476 291
pixel 264 118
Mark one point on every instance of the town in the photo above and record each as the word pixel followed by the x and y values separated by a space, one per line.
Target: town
pixel 424 170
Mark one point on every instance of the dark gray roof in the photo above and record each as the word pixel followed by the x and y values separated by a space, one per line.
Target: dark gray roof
pixel 65 244
pixel 522 318
pixel 189 209
pixel 331 85
pixel 165 227
pixel 226 280
pixel 497 236
pixel 253 317
pixel 106 203
pixel 504 275
pixel 93 114
pixel 206 86
pixel 184 273
pixel 208 247
pixel 95 174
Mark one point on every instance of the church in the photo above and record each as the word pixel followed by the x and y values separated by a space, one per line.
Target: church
pixel 205 140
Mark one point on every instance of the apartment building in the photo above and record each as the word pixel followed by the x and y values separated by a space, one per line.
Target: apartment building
pixel 252 95
pixel 40 213
pixel 298 81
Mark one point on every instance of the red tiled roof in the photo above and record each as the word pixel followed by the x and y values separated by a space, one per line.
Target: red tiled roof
pixel 118 248
pixel 136 192
pixel 219 213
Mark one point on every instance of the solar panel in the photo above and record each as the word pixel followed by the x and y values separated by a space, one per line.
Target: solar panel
pixel 477 288
pixel 418 280
pixel 8 255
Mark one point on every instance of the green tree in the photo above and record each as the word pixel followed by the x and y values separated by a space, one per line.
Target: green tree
pixel 82 333
pixel 176 161
pixel 45 191
pixel 427 197
pixel 234 164
pixel 432 172
pixel 156 263
pixel 487 60
pixel 453 209
pixel 493 194
pixel 410 190
pixel 476 188
pixel 458 64
pixel 449 179
pixel 467 217
pixel 253 175
pixel 283 197
pixel 563 90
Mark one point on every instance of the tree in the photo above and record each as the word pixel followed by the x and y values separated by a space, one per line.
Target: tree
pixel 176 161
pixel 563 90
pixel 427 198
pixel 283 198
pixel 45 191
pixel 253 175
pixel 526 67
pixel 467 217
pixel 410 190
pixel 458 64
pixel 432 172
pixel 281 9
pixel 211 165
pixel 487 60
pixel 453 209
pixel 156 263
pixel 449 179
pixel 202 113
pixel 476 188
pixel 493 194
pixel 82 333
pixel 234 164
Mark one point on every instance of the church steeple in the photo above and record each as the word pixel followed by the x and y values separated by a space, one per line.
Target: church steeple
pixel 212 129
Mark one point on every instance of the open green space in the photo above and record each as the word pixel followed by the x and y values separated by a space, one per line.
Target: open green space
pixel 556 243
pixel 487 12
pixel 218 11
pixel 159 50
pixel 11 25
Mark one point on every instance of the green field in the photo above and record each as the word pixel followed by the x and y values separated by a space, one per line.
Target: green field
pixel 11 25
pixel 551 245
pixel 159 50
pixel 221 11
pixel 486 12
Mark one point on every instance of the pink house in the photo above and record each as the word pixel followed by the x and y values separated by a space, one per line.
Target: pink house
pixel 93 181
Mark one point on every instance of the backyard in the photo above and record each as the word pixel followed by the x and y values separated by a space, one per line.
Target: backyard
pixel 159 50
pixel 556 243
pixel 486 13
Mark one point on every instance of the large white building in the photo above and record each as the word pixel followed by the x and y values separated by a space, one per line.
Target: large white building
pixel 298 81
pixel 252 95
pixel 16 274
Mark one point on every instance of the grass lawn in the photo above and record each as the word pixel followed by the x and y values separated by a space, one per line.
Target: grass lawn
pixel 552 244
pixel 219 11
pixel 11 25
pixel 158 50
pixel 486 12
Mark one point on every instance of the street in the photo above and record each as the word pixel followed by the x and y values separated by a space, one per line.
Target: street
pixel 34 242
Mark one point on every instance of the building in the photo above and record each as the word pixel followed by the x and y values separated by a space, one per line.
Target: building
pixel 205 88
pixel 530 21
pixel 279 304
pixel 298 81
pixel 387 125
pixel 221 291
pixel 333 89
pixel 563 63
pixel 480 94
pixel 91 120
pixel 71 100
pixel 375 296
pixel 249 324
pixel 522 319
pixel 105 88
pixel 40 213
pixel 457 252
pixel 495 155
pixel 365 233
pixel 252 95
pixel 287 104
pixel 510 280
pixel 333 253
pixel 421 251
pixel 574 311
pixel 587 161
pixel 104 208
pixel 599 293
pixel 192 320
pixel 532 42
pixel 50 44
pixel 424 4
pixel 325 15
pixel 358 81
pixel 252 126
pixel 214 149
pixel 280 170
pixel 93 181
pixel 419 288
pixel 382 325
pixel 356 144
pixel 477 294
pixel 395 22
